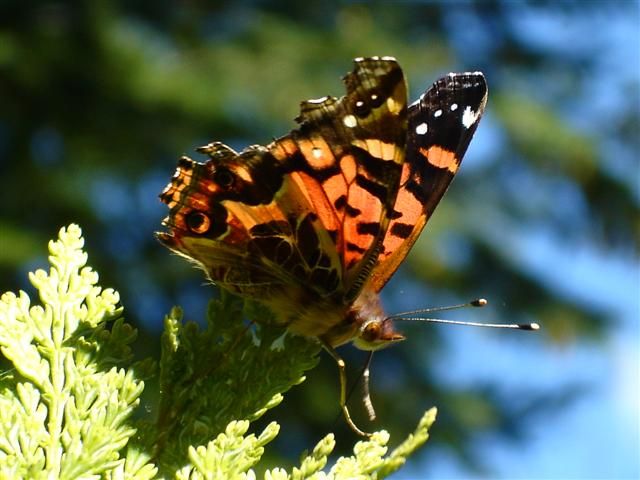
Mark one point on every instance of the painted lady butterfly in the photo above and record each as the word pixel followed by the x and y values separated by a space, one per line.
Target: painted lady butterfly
pixel 314 224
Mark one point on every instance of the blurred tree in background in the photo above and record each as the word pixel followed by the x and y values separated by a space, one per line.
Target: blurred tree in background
pixel 99 99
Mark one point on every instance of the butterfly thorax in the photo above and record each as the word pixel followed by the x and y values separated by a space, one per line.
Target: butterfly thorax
pixel 363 322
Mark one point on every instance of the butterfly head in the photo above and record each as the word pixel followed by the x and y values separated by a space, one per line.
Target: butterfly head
pixel 375 330
pixel 376 334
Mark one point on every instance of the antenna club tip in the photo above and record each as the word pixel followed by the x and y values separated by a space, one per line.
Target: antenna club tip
pixel 529 326
pixel 480 302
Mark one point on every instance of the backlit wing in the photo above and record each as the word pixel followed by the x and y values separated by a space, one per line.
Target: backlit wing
pixel 308 212
pixel 440 126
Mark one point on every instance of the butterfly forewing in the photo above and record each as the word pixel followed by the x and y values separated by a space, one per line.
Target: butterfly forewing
pixel 346 159
pixel 440 126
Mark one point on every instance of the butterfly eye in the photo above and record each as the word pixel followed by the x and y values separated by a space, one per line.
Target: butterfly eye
pixel 371 331
pixel 198 222
pixel 223 177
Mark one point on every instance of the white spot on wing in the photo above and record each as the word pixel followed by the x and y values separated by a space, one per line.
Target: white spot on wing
pixel 438 113
pixel 469 117
pixel 422 128
pixel 317 152
pixel 454 107
pixel 350 121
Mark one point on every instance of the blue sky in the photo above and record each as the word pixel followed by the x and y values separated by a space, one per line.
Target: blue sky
pixel 597 435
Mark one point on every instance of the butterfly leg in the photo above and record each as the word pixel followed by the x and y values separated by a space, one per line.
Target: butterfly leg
pixel 343 388
pixel 368 405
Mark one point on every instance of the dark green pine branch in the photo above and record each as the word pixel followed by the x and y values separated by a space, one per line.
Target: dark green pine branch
pixel 71 389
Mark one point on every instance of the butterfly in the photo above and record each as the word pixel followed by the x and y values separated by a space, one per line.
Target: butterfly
pixel 314 224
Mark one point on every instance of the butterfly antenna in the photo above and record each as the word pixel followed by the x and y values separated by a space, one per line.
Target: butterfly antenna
pixel 480 302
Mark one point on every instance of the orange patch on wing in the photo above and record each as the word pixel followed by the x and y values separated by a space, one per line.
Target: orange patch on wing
pixel 404 175
pixel 204 186
pixel 283 148
pixel 441 158
pixel 334 187
pixel 171 196
pixel 317 153
pixel 349 168
pixel 316 197
pixel 243 173
pixel 370 211
pixel 293 192
pixel 183 174
pixel 378 148
pixel 411 210
pixel 243 217
pixel 235 234
pixel 181 179
pixel 198 201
